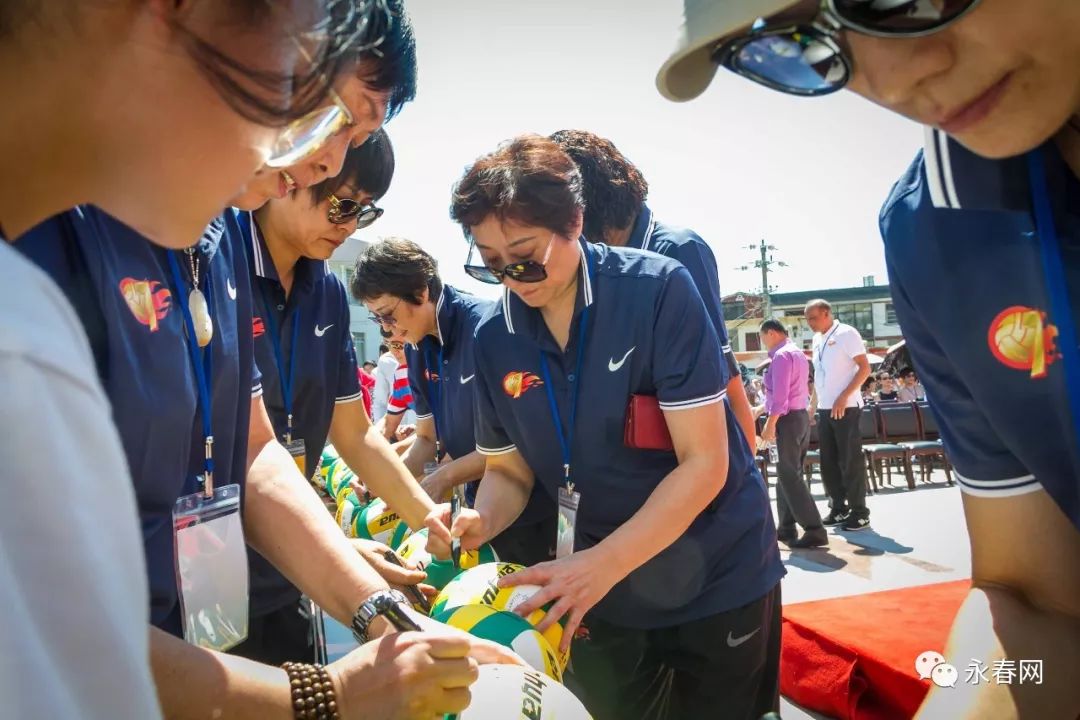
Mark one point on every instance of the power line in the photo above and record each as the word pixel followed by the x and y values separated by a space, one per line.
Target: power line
pixel 765 262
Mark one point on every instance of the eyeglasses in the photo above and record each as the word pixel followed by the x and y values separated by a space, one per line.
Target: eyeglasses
pixel 808 58
pixel 528 271
pixel 385 319
pixel 303 137
pixel 342 211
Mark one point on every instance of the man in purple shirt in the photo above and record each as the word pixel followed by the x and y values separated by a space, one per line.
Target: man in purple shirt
pixel 786 397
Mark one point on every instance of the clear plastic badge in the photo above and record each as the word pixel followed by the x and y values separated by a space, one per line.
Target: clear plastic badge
pixel 568 507
pixel 298 450
pixel 211 568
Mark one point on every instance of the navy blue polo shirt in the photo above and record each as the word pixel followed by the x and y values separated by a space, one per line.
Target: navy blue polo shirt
pixel 445 394
pixel 130 308
pixel 970 294
pixel 647 333
pixel 316 314
pixel 687 247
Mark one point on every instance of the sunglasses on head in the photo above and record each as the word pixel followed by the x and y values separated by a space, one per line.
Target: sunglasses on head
pixel 527 271
pixel 807 57
pixel 344 210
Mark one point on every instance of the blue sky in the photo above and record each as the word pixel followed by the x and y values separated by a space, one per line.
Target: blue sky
pixel 738 164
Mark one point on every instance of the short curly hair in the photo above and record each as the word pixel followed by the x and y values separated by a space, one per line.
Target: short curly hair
pixel 528 180
pixel 615 189
pixel 396 267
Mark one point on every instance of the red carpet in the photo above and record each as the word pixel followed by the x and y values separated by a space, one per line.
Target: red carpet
pixel 853 658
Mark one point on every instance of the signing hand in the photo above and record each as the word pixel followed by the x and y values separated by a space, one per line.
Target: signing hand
pixel 576 583
pixel 469 526
pixel 437 485
pixel 405 675
pixel 374 553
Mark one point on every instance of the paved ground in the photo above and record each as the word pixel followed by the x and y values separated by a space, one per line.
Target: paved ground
pixel 917 537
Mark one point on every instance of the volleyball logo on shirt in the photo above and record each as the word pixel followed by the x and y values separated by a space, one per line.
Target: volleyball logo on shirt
pixel 1020 338
pixel 516 383
pixel 146 302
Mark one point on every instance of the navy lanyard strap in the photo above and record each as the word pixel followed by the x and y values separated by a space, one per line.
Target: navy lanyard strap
pixel 286 375
pixel 435 388
pixel 200 360
pixel 1056 285
pixel 824 343
pixel 566 438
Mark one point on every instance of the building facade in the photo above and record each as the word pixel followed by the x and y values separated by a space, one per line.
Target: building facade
pixel 365 332
pixel 869 309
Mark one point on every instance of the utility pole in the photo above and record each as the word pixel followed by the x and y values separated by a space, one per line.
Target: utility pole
pixel 765 262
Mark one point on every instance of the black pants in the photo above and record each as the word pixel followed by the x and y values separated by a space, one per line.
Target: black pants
pixel 527 544
pixel 843 469
pixel 794 504
pixel 277 637
pixel 726 666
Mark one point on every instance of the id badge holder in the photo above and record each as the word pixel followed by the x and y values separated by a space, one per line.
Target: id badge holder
pixel 298 449
pixel 569 500
pixel 211 568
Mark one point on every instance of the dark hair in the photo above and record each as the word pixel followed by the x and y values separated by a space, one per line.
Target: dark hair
pixel 369 167
pixel 390 66
pixel 383 348
pixel 396 267
pixel 614 188
pixel 907 372
pixel 355 31
pixel 773 325
pixel 371 362
pixel 529 180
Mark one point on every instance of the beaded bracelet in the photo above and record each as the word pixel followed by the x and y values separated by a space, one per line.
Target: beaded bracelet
pixel 311 691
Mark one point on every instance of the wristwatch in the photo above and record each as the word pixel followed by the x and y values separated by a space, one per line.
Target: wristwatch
pixel 389 603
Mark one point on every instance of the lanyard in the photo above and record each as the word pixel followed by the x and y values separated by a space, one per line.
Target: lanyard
pixel 1056 285
pixel 824 344
pixel 567 437
pixel 435 388
pixel 201 361
pixel 286 376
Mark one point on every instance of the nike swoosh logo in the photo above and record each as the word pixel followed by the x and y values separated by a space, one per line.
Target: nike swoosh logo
pixel 467 379
pixel 733 642
pixel 231 288
pixel 613 366
pixel 319 332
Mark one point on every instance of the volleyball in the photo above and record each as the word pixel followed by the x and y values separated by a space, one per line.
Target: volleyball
pixel 375 521
pixel 480 586
pixel 338 475
pixel 344 516
pixel 1020 339
pixel 508 630
pixel 441 572
pixel 512 691
pixel 401 533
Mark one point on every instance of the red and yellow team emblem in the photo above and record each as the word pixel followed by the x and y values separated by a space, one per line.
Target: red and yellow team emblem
pixel 516 383
pixel 147 303
pixel 1020 338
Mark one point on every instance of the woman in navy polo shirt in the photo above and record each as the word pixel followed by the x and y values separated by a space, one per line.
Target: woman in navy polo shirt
pixel 304 348
pixel 980 240
pixel 668 556
pixel 400 284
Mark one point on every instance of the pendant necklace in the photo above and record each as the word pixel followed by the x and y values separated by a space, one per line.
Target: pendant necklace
pixel 197 305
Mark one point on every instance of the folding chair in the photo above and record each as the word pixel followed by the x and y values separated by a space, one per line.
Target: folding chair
pixel 897 422
pixel 929 446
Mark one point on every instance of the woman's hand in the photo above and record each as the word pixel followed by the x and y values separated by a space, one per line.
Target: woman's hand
pixel 576 583
pixel 469 526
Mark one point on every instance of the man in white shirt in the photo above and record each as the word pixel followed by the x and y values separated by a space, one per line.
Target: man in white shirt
pixel 384 382
pixel 73 637
pixel 840 369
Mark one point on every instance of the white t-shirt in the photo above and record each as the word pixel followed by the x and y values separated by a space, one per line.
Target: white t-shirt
pixel 384 385
pixel 834 354
pixel 74 609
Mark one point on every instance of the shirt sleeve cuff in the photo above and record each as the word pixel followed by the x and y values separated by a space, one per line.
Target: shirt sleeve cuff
pixel 693 402
pixel 349 398
pixel 496 451
pixel 1008 487
pixel 257 390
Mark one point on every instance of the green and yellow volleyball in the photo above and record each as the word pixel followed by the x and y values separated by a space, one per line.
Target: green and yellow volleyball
pixel 329 455
pixel 508 630
pixel 480 586
pixel 345 517
pixel 512 691
pixel 440 572
pixel 338 475
pixel 376 521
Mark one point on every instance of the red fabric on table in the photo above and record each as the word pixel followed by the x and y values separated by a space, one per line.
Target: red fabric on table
pixel 853 658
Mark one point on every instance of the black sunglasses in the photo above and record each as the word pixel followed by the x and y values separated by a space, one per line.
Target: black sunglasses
pixel 342 211
pixel 807 58
pixel 528 271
